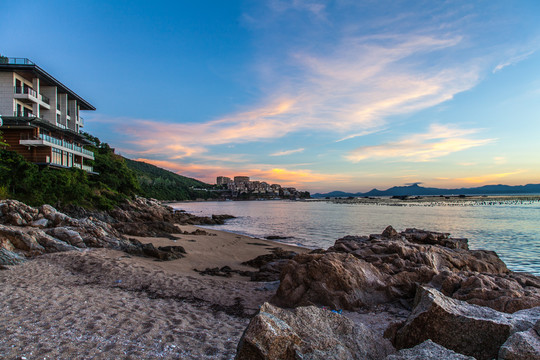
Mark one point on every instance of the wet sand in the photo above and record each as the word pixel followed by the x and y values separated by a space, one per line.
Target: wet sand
pixel 105 304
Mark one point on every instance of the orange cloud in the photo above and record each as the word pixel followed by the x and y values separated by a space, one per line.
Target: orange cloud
pixel 488 177
pixel 206 173
pixel 439 141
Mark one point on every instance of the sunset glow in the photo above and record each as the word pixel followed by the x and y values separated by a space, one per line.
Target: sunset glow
pixel 320 95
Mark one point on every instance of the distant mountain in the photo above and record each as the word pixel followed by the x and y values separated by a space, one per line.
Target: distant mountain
pixel 415 190
pixel 162 184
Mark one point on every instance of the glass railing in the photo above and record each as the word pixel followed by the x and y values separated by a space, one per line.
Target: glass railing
pixel 60 142
pixel 15 61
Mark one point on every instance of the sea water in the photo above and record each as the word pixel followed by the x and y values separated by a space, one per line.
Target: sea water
pixel 510 229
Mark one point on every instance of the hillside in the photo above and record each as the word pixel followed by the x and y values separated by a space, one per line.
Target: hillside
pixel 416 189
pixel 162 184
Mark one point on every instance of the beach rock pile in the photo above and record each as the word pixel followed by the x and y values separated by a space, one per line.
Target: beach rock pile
pixel 457 303
pixel 364 271
pixel 146 217
pixel 26 231
pixel 308 333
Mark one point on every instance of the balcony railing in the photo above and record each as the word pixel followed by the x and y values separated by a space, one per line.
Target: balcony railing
pixel 15 61
pixel 45 99
pixel 26 90
pixel 60 142
pixel 24 114
pixel 58 106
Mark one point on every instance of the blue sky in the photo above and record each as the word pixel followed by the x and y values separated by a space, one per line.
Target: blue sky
pixel 321 95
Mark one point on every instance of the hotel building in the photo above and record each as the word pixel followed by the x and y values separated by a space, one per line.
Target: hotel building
pixel 40 117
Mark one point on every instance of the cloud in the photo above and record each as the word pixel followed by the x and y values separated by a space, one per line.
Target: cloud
pixel 287 152
pixel 513 60
pixel 287 177
pixel 355 87
pixel 439 141
pixel 488 177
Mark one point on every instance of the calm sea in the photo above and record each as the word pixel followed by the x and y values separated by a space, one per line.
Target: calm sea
pixel 512 230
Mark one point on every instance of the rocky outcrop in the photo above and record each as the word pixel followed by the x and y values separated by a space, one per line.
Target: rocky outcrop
pixel 308 333
pixel 428 350
pixel 390 266
pixel 465 328
pixel 28 231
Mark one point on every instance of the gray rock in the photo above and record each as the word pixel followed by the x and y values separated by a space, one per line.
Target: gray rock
pixel 523 345
pixel 21 240
pixel 308 333
pixel 70 236
pixel 428 350
pixel 50 243
pixel 8 257
pixel 40 223
pixel 465 328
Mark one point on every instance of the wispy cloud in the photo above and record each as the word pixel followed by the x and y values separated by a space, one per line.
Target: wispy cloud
pixel 356 87
pixel 439 141
pixel 513 60
pixel 287 152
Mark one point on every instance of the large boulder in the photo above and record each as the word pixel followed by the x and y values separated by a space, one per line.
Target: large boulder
pixel 308 333
pixel 523 345
pixel 340 281
pixel 428 350
pixel 465 328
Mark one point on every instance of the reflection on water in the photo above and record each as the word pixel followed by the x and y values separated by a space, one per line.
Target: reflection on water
pixel 510 230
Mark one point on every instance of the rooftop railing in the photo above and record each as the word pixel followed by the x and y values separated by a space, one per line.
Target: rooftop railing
pixel 15 61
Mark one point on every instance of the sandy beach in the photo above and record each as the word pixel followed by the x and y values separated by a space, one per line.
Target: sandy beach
pixel 105 304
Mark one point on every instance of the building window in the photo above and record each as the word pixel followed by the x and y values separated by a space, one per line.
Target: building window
pixel 70 160
pixel 56 156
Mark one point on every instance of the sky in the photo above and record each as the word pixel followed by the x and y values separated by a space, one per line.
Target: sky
pixel 320 95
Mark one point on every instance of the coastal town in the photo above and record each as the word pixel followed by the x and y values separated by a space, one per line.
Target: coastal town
pixel 241 187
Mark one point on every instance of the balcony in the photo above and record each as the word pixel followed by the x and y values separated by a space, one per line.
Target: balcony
pixel 27 94
pixel 47 140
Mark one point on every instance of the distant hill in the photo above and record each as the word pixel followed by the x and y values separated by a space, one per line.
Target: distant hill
pixel 415 190
pixel 162 184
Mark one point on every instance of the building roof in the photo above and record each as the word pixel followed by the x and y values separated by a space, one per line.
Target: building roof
pixel 25 65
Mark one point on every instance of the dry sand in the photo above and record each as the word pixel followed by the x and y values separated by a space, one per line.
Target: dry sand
pixel 104 304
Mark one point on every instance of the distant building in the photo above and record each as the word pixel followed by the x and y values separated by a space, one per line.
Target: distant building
pixel 41 116
pixel 223 180
pixel 241 179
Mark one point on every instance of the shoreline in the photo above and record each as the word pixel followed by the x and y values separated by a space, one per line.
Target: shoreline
pixel 412 200
pixel 102 302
